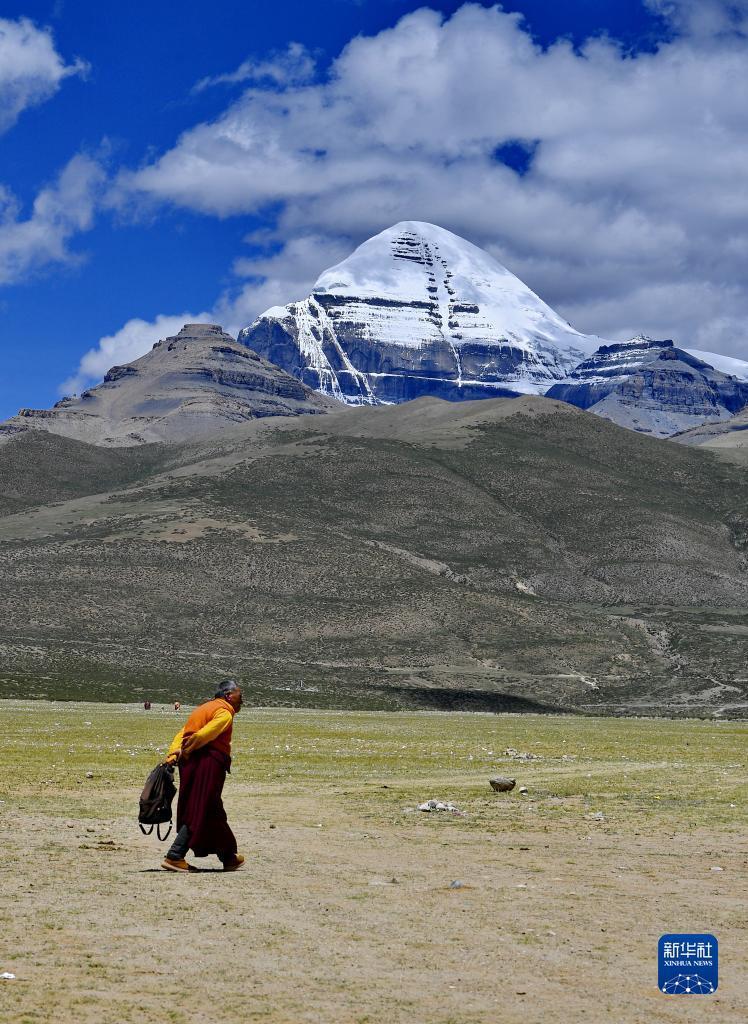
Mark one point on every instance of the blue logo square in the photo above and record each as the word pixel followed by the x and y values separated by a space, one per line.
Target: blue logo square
pixel 687 964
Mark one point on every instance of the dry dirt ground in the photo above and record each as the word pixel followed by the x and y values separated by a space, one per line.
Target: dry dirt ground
pixel 346 910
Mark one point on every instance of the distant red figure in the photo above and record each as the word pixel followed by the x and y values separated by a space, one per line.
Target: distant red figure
pixel 147 705
pixel 177 705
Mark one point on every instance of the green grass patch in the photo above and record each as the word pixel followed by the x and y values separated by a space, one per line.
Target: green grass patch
pixel 636 773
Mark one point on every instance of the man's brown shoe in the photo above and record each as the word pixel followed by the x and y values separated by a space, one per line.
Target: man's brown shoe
pixel 235 864
pixel 176 865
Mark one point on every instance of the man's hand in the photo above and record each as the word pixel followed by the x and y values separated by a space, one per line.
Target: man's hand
pixel 171 759
pixel 189 746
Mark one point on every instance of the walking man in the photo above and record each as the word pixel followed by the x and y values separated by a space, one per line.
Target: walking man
pixel 202 749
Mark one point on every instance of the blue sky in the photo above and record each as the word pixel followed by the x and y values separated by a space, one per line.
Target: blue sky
pixel 165 160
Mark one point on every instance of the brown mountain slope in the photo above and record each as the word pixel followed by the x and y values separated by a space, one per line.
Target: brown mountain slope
pixel 728 438
pixel 196 383
pixel 507 553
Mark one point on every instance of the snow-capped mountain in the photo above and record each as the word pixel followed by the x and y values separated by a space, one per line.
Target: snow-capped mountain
pixel 417 310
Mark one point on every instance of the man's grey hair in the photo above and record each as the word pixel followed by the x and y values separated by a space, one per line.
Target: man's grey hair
pixel 226 687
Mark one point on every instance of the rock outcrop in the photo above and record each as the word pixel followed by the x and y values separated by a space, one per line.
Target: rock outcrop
pixel 195 383
pixel 596 377
pixel 653 387
pixel 417 311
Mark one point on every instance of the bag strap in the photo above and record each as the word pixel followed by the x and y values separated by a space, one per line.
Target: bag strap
pixel 150 830
pixel 158 832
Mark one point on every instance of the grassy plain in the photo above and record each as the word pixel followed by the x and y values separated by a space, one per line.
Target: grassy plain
pixel 346 910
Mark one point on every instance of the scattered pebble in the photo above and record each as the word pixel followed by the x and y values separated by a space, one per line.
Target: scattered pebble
pixel 521 755
pixel 716 869
pixel 89 775
pixel 522 789
pixel 456 884
pixel 7 976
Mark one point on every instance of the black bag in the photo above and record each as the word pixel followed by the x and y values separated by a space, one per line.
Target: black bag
pixel 155 800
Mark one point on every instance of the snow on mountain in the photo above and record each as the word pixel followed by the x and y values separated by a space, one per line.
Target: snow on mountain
pixel 418 310
pixel 725 364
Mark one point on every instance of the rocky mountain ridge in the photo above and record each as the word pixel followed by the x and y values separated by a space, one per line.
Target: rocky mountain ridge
pixel 194 383
pixel 652 387
pixel 599 374
pixel 414 311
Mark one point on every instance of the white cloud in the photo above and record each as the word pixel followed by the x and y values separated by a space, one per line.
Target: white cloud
pixel 31 69
pixel 61 210
pixel 632 215
pixel 703 18
pixel 292 66
pixel 275 279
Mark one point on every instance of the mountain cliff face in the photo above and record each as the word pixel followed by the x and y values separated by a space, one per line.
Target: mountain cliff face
pixel 610 365
pixel 653 387
pixel 674 392
pixel 415 311
pixel 188 385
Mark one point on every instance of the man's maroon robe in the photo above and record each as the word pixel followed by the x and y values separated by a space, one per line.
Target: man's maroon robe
pixel 200 807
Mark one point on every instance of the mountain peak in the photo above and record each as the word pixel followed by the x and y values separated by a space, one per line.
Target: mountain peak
pixel 193 383
pixel 199 331
pixel 418 310
pixel 195 333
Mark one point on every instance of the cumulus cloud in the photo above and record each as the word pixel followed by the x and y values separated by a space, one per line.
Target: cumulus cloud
pixel 31 69
pixel 275 278
pixel 703 18
pixel 60 211
pixel 632 213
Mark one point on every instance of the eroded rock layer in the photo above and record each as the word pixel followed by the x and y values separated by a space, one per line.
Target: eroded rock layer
pixel 195 383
